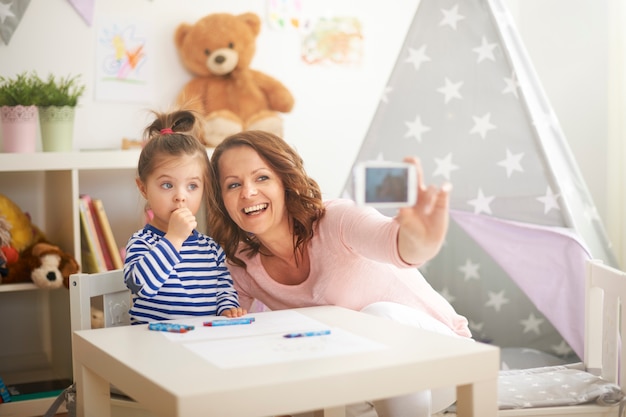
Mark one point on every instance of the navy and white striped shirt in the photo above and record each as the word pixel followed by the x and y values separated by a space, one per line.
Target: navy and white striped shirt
pixel 167 284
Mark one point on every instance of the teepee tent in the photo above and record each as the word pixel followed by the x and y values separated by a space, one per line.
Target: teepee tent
pixel 464 98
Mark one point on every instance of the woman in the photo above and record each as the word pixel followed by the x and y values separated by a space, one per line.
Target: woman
pixel 288 248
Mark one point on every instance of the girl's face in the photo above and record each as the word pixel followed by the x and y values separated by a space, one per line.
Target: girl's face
pixel 253 193
pixel 176 182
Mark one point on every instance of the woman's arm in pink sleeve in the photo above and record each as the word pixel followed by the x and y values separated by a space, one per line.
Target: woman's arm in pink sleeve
pixel 364 230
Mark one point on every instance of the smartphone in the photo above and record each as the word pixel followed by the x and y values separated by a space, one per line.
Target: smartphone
pixel 384 184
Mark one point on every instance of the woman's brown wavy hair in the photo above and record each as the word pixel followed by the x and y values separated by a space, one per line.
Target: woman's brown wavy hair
pixel 303 198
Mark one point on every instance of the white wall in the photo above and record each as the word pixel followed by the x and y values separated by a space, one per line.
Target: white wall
pixel 566 39
pixel 333 104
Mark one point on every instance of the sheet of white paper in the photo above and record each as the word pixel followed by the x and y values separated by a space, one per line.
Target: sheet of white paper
pixel 279 322
pixel 263 342
pixel 274 348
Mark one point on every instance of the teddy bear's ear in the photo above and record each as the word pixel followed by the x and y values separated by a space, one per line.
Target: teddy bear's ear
pixel 181 33
pixel 252 20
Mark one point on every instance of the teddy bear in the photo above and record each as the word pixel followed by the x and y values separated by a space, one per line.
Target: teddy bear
pixel 229 95
pixel 45 264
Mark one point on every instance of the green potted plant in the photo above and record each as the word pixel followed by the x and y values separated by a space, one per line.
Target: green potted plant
pixel 56 100
pixel 18 112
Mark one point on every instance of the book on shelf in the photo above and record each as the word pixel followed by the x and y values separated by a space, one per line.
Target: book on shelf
pixel 104 248
pixel 107 231
pixel 92 256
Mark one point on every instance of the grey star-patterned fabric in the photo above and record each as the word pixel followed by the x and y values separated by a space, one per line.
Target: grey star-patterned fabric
pixel 555 386
pixel 463 97
pixel 11 13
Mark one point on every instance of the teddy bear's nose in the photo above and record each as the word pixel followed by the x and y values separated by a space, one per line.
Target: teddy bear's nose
pixel 51 276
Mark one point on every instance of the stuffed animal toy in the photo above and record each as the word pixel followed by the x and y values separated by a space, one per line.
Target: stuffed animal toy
pixel 8 254
pixel 26 255
pixel 23 232
pixel 46 265
pixel 232 97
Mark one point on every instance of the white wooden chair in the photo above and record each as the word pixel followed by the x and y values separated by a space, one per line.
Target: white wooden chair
pixel 605 353
pixel 108 291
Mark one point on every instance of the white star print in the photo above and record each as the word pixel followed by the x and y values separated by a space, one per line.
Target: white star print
pixel 451 17
pixel 5 11
pixel 549 201
pixel 481 203
pixel 451 90
pixel 511 85
pixel 384 98
pixel 496 300
pixel 482 125
pixel 532 323
pixel 444 167
pixel 512 163
pixel 417 57
pixel 416 128
pixel 562 349
pixel 445 293
pixel 470 270
pixel 485 50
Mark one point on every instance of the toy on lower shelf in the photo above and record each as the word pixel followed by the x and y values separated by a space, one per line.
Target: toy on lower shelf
pixel 5 397
pixel 38 389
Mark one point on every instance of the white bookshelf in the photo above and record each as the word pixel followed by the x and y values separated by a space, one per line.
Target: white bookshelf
pixel 36 323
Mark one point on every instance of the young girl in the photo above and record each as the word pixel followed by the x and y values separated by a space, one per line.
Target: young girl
pixel 173 270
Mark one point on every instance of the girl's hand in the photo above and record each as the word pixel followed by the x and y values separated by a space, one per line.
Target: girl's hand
pixel 235 312
pixel 423 227
pixel 181 224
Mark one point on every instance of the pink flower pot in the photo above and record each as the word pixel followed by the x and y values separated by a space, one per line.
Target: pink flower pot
pixel 19 128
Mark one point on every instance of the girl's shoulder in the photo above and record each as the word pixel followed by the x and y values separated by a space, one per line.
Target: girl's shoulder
pixel 147 233
pixel 205 239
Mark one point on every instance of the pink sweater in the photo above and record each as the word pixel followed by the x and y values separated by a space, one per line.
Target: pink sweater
pixel 354 263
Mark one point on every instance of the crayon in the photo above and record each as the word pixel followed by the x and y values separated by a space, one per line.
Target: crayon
pixel 229 322
pixel 170 327
pixel 307 334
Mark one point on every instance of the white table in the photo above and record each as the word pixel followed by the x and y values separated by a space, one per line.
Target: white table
pixel 167 378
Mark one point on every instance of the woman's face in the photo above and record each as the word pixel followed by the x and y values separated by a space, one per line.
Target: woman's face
pixel 253 193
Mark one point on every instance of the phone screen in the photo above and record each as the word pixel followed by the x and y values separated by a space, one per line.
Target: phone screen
pixel 386 185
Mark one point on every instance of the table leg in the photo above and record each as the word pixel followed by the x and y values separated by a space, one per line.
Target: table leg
pixel 331 412
pixel 479 399
pixel 93 394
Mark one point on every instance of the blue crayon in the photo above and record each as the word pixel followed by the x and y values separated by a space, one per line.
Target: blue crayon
pixel 229 322
pixel 170 327
pixel 307 334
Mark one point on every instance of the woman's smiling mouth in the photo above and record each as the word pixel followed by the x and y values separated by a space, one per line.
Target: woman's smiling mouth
pixel 255 209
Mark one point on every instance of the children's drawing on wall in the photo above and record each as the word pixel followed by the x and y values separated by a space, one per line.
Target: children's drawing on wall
pixel 122 68
pixel 285 14
pixel 335 41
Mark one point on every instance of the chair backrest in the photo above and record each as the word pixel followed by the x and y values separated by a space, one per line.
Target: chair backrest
pixel 116 299
pixel 605 322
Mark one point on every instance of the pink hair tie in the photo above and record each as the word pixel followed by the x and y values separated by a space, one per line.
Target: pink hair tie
pixel 166 131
